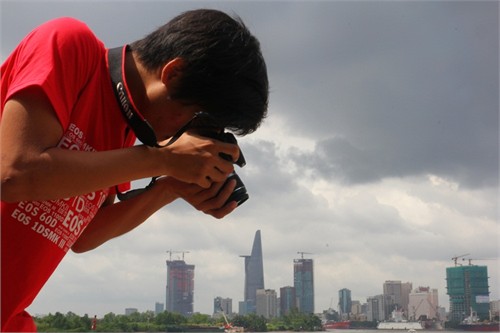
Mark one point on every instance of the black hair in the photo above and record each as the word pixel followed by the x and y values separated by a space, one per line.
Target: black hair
pixel 225 72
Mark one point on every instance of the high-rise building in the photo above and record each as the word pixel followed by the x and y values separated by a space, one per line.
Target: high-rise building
pixel 375 309
pixel 468 289
pixel 159 307
pixel 495 308
pixel 357 311
pixel 423 303
pixel 129 311
pixel 266 303
pixel 180 287
pixel 345 303
pixel 406 289
pixel 303 281
pixel 254 276
pixel 396 296
pixel 288 300
pixel 223 304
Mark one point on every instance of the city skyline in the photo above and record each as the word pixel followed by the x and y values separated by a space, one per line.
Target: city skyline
pixel 379 153
pixel 396 295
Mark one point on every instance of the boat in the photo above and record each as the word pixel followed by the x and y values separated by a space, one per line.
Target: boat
pixel 472 323
pixel 481 327
pixel 398 323
pixel 336 325
pixel 409 326
pixel 233 329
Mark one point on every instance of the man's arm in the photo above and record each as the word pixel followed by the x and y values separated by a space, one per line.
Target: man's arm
pixel 34 168
pixel 116 219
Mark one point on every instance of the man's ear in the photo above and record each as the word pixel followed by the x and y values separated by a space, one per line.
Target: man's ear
pixel 172 72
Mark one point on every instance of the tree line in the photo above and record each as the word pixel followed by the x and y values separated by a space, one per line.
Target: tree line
pixel 172 322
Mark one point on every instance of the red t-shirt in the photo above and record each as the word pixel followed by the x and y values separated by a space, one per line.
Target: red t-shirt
pixel 66 60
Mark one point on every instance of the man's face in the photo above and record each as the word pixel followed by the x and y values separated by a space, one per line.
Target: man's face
pixel 167 121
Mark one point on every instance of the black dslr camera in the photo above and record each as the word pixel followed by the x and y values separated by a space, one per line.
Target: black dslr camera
pixel 205 125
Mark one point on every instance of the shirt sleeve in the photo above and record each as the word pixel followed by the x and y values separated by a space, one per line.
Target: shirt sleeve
pixel 58 56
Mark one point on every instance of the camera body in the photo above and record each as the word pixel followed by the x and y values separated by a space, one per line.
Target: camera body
pixel 204 125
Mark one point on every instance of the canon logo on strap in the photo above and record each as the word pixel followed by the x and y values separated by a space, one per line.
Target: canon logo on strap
pixel 123 101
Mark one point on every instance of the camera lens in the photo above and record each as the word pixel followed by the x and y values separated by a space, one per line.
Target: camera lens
pixel 239 194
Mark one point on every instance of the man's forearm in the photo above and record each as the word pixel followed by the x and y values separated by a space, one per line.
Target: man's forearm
pixel 117 219
pixel 59 173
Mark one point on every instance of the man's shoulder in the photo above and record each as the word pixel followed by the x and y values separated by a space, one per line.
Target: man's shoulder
pixel 65 24
pixel 71 38
pixel 66 29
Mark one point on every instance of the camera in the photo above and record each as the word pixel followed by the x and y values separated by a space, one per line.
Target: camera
pixel 204 124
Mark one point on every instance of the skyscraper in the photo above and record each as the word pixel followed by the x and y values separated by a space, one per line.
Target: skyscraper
pixel 267 303
pixel 345 303
pixel 375 308
pixel 254 275
pixel 288 300
pixel 180 287
pixel 303 281
pixel 406 289
pixel 223 304
pixel 468 289
pixel 396 296
pixel 159 307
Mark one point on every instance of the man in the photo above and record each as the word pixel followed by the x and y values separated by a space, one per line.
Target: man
pixel 67 133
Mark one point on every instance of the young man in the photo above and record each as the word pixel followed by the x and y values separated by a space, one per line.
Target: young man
pixel 67 137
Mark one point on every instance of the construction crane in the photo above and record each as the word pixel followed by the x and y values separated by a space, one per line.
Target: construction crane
pixel 170 252
pixel 302 254
pixel 456 257
pixel 470 260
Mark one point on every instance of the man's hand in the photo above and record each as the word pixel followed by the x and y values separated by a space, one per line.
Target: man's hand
pixel 197 160
pixel 210 200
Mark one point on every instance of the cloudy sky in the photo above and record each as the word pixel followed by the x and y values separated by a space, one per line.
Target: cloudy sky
pixel 380 154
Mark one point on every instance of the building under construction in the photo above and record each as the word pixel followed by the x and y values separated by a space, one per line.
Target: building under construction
pixel 303 281
pixel 467 287
pixel 180 286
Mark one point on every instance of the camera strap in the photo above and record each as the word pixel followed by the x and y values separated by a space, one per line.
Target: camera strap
pixel 142 129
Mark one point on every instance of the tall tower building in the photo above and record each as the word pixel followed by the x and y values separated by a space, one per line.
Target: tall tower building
pixel 288 300
pixel 180 287
pixel 468 289
pixel 303 281
pixel 254 275
pixel 345 303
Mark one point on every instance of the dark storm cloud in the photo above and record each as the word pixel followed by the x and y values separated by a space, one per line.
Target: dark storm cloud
pixel 410 88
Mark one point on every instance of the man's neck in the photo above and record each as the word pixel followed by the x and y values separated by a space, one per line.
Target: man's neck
pixel 136 77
